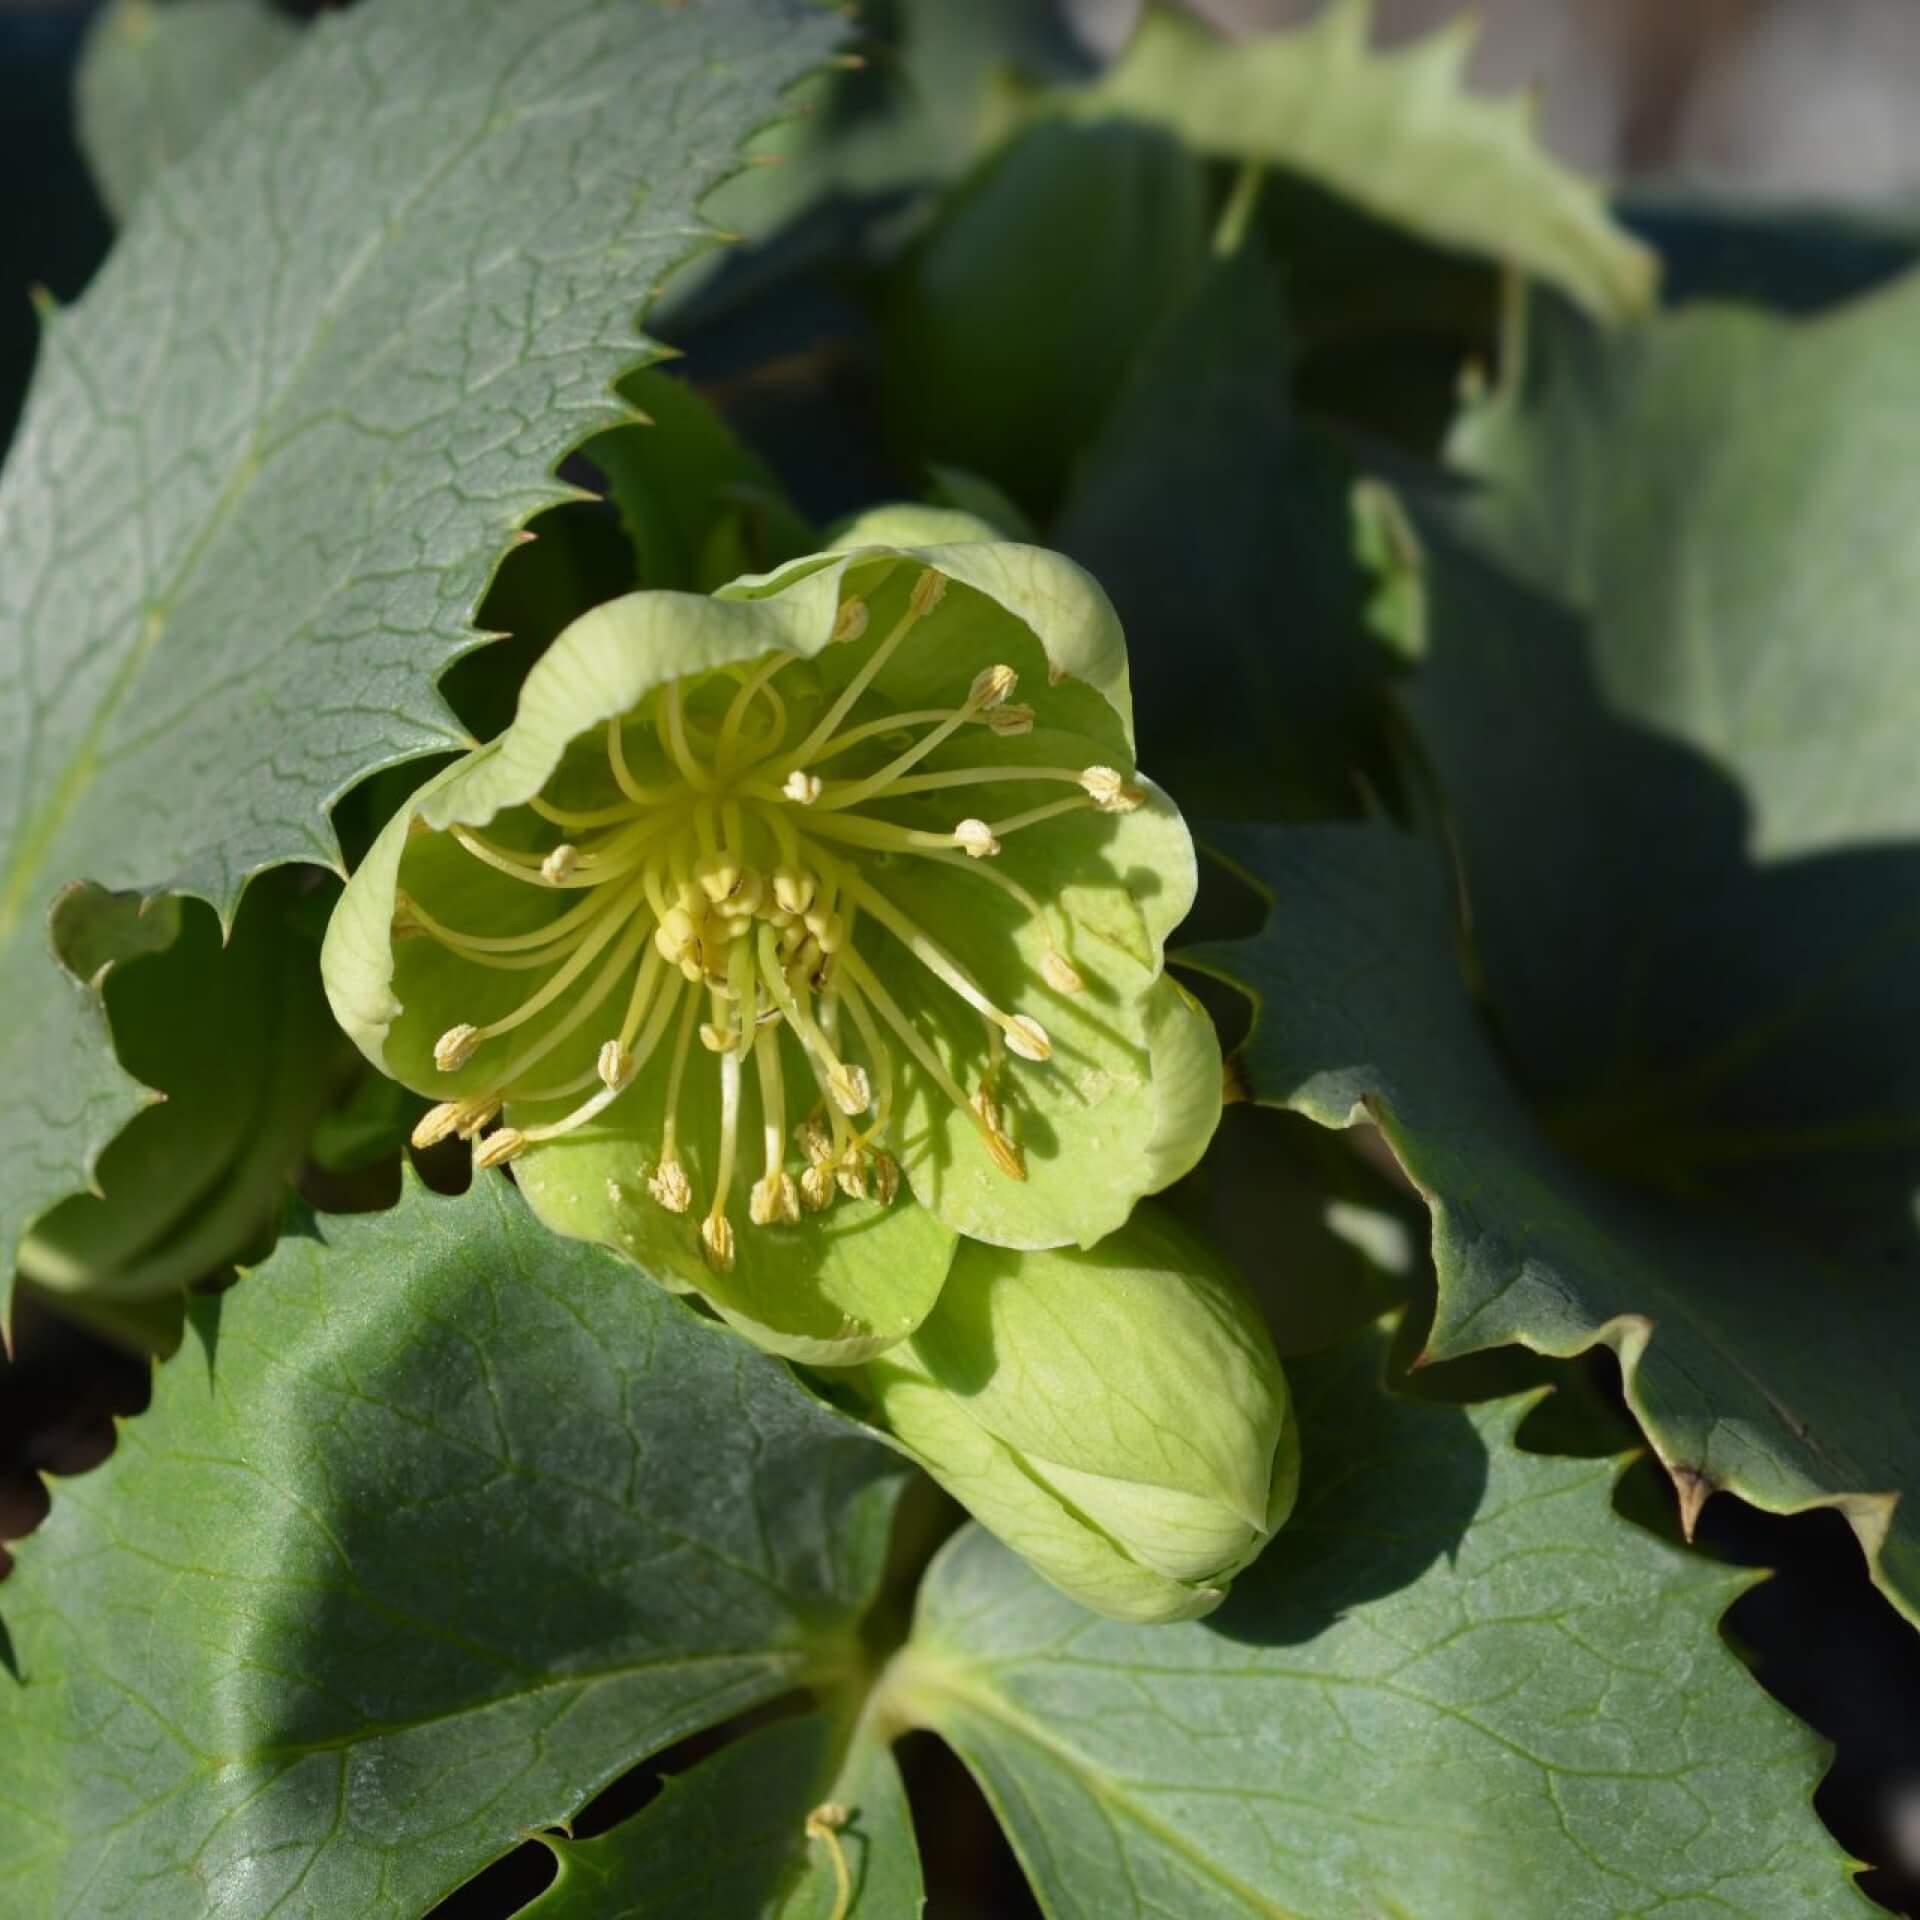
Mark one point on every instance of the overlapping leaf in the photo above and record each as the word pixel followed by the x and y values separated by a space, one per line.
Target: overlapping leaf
pixel 1457 1684
pixel 448 1524
pixel 154 78
pixel 731 1838
pixel 270 461
pixel 1398 133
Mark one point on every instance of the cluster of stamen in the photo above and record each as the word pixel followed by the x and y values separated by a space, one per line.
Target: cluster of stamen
pixel 722 907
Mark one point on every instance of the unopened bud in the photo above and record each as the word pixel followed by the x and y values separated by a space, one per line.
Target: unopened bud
pixel 1165 1341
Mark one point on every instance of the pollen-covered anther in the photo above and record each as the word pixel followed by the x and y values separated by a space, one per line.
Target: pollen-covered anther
pixel 886 1178
pixel 987 1109
pixel 816 1187
pixel 716 1242
pixel 498 1147
pixel 1009 721
pixel 615 1065
pixel 975 839
pixel 851 621
pixel 851 1089
pixel 927 593
pixel 853 1171
pixel 1108 790
pixel 802 788
pixel 992 687
pixel 436 1124
pixel 668 1183
pixel 456 1047
pixel 1059 973
pixel 1028 1038
pixel 560 865
pixel 815 1142
pixel 774 1201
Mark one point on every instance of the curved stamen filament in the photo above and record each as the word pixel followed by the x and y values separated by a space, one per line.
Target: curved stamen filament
pixel 878 1052
pixel 473 944
pixel 926 595
pixel 863 976
pixel 674 710
pixel 623 776
pixel 935 958
pixel 625 952
pixel 592 817
pixel 835 797
pixel 887 776
pixel 985 870
pixel 543 997
pixel 758 683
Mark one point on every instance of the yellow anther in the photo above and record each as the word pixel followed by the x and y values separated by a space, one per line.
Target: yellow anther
pixel 886 1178
pixel 987 1109
pixel 803 789
pixel 975 839
pixel 992 686
pixel 829 929
pixel 1058 973
pixel 1010 721
pixel 718 1039
pixel 615 1064
pixel 926 594
pixel 851 621
pixel 718 878
pixel 716 1242
pixel 499 1147
pixel 744 901
pixel 1028 1038
pixel 815 1142
pixel 1109 791
pixel 560 865
pixel 852 1171
pixel 456 1047
pixel 477 1115
pixel 668 1183
pixel 794 889
pixel 437 1124
pixel 775 1200
pixel 816 1188
pixel 852 1091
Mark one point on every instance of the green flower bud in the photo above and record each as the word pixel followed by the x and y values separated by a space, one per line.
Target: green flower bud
pixel 1117 1415
pixel 792 931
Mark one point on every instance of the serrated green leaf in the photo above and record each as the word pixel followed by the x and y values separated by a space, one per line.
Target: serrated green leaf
pixel 153 78
pixel 270 460
pixel 1754 1359
pixel 448 1524
pixel 730 1838
pixel 1458 1684
pixel 1396 132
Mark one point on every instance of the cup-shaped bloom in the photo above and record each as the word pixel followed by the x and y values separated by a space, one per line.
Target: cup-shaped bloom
pixel 792 931
pixel 1116 1414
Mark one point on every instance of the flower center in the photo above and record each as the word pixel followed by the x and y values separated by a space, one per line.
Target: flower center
pixel 731 900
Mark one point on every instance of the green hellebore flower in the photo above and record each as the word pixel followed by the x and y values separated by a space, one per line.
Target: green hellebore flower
pixel 1117 1415
pixel 775 902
